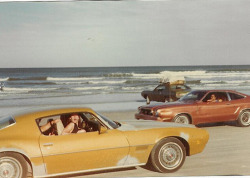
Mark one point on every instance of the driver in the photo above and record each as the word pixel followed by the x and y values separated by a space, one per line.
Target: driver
pixel 73 125
pixel 212 98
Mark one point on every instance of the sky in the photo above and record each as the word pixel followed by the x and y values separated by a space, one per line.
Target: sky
pixel 124 33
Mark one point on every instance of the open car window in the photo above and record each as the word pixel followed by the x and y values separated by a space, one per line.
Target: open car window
pixel 193 96
pixel 48 126
pixel 160 88
pixel 178 87
pixel 54 125
pixel 218 97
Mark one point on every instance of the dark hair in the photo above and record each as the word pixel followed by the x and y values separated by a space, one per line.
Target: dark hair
pixel 79 121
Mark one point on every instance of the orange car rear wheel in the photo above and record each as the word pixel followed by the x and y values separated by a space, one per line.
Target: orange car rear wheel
pixel 244 118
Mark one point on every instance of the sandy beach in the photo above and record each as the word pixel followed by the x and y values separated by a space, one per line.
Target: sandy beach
pixel 226 153
pixel 103 55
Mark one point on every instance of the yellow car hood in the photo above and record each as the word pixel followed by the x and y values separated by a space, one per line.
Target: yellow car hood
pixel 144 124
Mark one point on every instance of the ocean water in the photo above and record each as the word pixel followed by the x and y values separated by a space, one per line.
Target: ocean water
pixel 30 86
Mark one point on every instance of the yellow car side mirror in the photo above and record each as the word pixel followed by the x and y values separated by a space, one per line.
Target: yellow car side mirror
pixel 102 130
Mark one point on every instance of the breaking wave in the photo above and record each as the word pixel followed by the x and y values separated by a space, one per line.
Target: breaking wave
pixel 107 82
pixel 76 81
pixel 119 75
pixel 26 78
pixel 73 78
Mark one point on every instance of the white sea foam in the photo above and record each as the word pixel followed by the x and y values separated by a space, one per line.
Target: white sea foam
pixel 68 83
pixel 183 73
pixel 208 81
pixel 90 82
pixel 107 82
pixel 170 74
pixel 133 88
pixel 147 76
pixel 224 82
pixel 222 74
pixel 24 90
pixel 73 78
pixel 92 88
pixel 235 82
pixel 213 85
pixel 4 79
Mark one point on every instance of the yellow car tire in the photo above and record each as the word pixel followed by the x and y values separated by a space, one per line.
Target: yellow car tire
pixel 168 155
pixel 13 165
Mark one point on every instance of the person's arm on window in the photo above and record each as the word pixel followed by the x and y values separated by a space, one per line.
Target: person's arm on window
pixel 48 125
pixel 68 129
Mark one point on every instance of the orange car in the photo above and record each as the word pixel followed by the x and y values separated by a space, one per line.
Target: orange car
pixel 201 106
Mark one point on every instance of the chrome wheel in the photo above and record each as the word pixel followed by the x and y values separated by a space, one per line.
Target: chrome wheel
pixel 170 155
pixel 10 168
pixel 183 119
pixel 244 119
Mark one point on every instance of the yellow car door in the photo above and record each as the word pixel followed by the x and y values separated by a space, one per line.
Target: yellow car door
pixel 76 152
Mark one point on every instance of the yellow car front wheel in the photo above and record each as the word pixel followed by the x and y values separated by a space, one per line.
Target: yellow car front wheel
pixel 168 155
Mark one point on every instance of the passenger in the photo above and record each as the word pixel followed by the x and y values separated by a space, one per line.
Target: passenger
pixel 73 125
pixel 212 99
pixel 48 127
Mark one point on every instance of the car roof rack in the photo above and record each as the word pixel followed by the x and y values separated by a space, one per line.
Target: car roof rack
pixel 172 82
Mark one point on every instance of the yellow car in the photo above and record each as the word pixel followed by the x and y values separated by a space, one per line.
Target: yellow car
pixel 35 143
